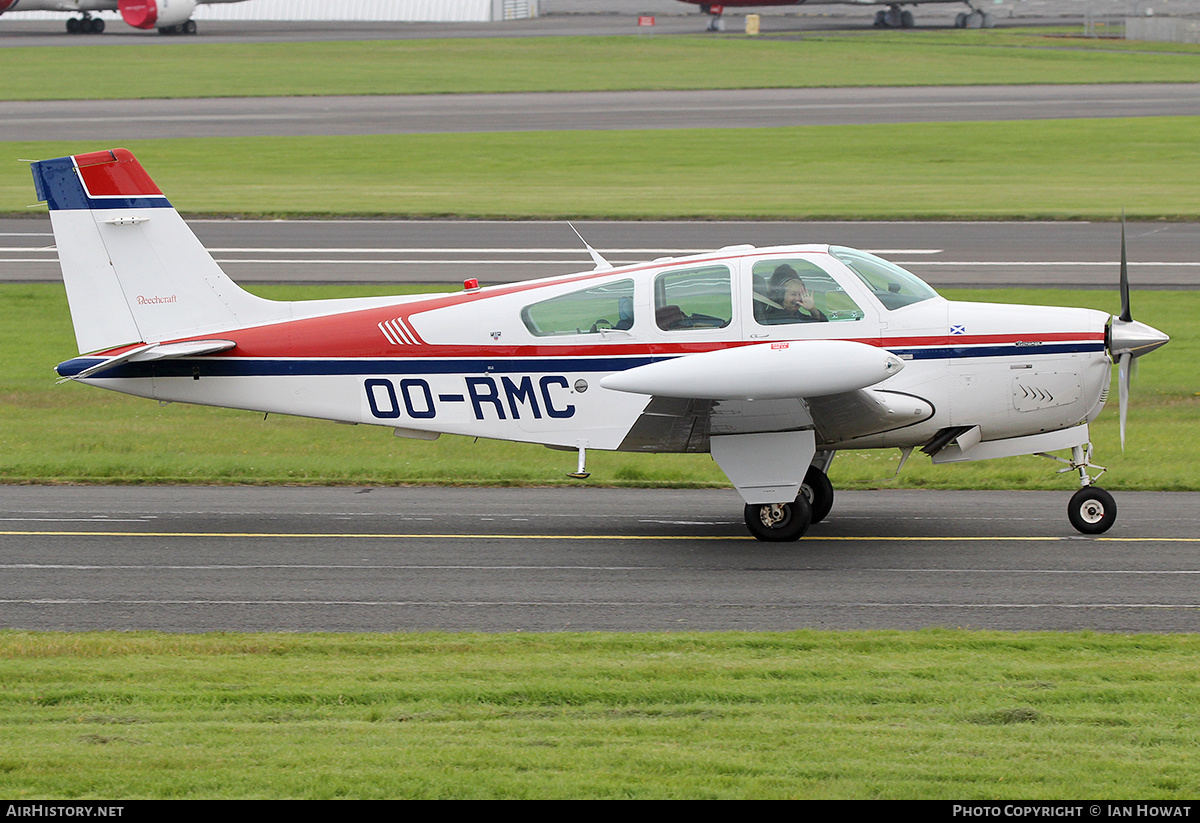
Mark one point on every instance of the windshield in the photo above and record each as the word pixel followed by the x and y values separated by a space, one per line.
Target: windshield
pixel 892 285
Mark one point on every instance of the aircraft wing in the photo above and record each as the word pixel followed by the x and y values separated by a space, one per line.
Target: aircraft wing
pixel 762 409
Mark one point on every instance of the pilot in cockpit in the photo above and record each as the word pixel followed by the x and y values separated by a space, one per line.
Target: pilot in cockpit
pixel 796 303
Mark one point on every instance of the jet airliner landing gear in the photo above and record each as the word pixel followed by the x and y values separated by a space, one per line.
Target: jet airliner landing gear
pixel 85 25
pixel 188 27
pixel 973 19
pixel 715 21
pixel 894 18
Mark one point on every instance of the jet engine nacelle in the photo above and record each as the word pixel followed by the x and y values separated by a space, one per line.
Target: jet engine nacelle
pixel 151 14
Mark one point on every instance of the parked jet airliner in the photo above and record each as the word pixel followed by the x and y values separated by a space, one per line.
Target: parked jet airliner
pixel 168 16
pixel 894 16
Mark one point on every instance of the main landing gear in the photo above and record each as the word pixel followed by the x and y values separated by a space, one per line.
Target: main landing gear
pixel 715 21
pixel 786 522
pixel 974 19
pixel 85 25
pixel 894 18
pixel 188 27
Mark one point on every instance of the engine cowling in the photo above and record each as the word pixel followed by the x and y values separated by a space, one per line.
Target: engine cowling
pixel 161 14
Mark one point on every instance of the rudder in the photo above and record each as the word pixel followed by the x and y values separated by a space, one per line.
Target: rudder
pixel 134 271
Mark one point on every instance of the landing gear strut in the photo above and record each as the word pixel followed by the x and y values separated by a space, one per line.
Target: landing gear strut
pixel 1092 510
pixel 715 21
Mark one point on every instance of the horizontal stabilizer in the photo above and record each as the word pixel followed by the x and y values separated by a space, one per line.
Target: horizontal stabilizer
pixel 765 371
pixel 153 351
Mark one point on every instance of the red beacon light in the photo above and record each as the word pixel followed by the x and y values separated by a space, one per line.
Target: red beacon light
pixel 471 285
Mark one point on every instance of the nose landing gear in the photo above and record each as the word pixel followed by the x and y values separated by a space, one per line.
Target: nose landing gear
pixel 1092 510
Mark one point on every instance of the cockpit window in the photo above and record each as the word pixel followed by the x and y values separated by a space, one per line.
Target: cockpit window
pixel 892 285
pixel 588 311
pixel 700 298
pixel 798 291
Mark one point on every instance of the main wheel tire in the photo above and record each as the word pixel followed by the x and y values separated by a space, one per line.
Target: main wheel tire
pixel 1092 510
pixel 819 492
pixel 779 522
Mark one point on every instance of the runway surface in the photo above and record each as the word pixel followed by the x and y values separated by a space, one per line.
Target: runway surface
pixel 582 559
pixel 983 254
pixel 109 120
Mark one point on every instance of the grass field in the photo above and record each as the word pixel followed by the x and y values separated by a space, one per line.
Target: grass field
pixel 199 69
pixel 937 714
pixel 1062 169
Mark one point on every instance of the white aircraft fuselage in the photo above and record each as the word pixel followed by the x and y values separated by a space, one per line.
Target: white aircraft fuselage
pixel 770 359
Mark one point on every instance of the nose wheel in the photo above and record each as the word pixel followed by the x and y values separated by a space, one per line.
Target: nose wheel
pixel 1092 510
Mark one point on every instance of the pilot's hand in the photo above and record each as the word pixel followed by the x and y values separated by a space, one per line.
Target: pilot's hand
pixel 807 301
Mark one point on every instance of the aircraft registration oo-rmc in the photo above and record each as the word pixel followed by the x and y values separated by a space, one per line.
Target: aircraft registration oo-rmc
pixel 770 359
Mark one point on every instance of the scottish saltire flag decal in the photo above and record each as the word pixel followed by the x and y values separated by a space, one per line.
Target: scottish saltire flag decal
pixel 99 180
pixel 958 329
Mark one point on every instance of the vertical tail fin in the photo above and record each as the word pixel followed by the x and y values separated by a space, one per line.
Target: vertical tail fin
pixel 134 271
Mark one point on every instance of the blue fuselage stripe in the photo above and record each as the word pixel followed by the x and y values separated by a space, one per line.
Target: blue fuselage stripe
pixel 1004 350
pixel 254 367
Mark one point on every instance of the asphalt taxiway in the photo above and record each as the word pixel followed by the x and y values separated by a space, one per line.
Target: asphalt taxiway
pixel 972 254
pixel 582 559
pixel 123 120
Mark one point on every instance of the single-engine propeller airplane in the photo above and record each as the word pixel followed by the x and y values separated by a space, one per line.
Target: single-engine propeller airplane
pixel 770 359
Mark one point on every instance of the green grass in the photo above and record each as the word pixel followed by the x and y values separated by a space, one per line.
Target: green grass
pixel 78 434
pixel 199 69
pixel 935 714
pixel 1024 169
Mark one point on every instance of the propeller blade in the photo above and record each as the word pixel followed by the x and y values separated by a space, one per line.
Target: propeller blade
pixel 1126 315
pixel 1128 340
pixel 1123 363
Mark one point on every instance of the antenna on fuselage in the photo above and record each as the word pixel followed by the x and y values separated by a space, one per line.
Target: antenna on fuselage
pixel 597 258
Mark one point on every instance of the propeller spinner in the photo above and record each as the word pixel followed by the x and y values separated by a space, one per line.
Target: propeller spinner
pixel 1128 339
